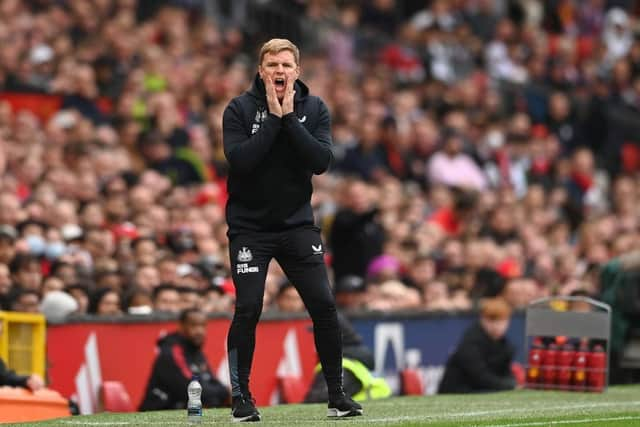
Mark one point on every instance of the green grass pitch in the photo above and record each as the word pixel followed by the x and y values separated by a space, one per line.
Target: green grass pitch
pixel 619 406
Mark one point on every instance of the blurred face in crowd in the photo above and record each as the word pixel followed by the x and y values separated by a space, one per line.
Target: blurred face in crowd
pixel 28 302
pixel 7 250
pixel 52 283
pixel 147 277
pixel 145 252
pixel 5 279
pixel 92 216
pixel 168 301
pixel 194 328
pixel 30 276
pixel 167 269
pixel 109 304
pixel 280 68
pixel 10 212
pixel 68 274
pixel 81 298
pixel 189 300
pixel 357 197
pixel 289 301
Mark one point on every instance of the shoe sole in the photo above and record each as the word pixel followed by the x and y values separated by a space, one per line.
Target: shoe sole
pixel 337 413
pixel 250 418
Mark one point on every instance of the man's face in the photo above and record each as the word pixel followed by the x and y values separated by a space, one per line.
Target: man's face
pixel 168 301
pixel 27 303
pixel 495 328
pixel 189 300
pixel 7 250
pixel 195 328
pixel 30 276
pixel 280 68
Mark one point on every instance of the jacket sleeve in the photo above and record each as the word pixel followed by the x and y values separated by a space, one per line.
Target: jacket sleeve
pixel 313 149
pixel 10 378
pixel 245 153
pixel 478 371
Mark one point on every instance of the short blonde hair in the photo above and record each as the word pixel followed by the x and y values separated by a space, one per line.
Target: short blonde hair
pixel 275 46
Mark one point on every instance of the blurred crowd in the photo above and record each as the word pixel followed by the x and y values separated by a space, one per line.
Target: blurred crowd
pixel 482 148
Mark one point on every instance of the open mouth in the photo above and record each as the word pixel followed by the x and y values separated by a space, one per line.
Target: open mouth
pixel 279 82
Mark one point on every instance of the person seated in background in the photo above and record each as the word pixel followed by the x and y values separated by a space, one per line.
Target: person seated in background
pixel 482 360
pixel 33 382
pixel 180 357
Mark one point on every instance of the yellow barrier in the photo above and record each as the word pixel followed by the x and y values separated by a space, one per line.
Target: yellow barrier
pixel 22 342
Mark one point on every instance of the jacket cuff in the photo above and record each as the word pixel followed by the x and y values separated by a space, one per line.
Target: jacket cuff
pixel 289 118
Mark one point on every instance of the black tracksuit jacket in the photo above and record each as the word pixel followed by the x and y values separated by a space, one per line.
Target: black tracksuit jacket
pixel 479 364
pixel 177 361
pixel 272 159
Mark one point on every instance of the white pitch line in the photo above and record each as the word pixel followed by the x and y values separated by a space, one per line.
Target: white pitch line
pixel 120 423
pixel 559 422
pixel 426 418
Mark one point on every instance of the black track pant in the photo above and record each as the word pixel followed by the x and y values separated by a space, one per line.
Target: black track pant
pixel 300 253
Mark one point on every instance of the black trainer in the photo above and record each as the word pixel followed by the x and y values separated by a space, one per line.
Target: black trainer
pixel 244 409
pixel 343 406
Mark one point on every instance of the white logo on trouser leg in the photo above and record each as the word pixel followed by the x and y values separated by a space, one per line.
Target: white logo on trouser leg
pixel 317 249
pixel 246 268
pixel 244 255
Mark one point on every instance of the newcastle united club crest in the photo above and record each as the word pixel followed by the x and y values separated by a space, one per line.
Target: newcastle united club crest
pixel 244 255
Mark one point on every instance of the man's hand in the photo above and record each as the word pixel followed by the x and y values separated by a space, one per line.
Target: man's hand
pixel 287 102
pixel 272 99
pixel 35 382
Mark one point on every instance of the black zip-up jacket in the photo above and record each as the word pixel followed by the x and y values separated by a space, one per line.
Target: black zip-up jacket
pixel 479 364
pixel 272 159
pixel 177 361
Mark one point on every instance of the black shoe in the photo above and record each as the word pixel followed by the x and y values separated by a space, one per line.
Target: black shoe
pixel 243 409
pixel 343 406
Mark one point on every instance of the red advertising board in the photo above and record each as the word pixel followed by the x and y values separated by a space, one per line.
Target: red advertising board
pixel 82 355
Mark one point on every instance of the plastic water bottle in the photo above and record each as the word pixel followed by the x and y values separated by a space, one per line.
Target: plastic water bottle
pixel 194 404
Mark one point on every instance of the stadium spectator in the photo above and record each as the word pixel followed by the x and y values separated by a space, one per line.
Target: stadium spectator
pixel 351 293
pixel 81 294
pixel 189 297
pixel 8 235
pixel 482 360
pixel 25 301
pixel 105 302
pixel 356 237
pixel 288 300
pixel 166 299
pixel 26 272
pixel 180 358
